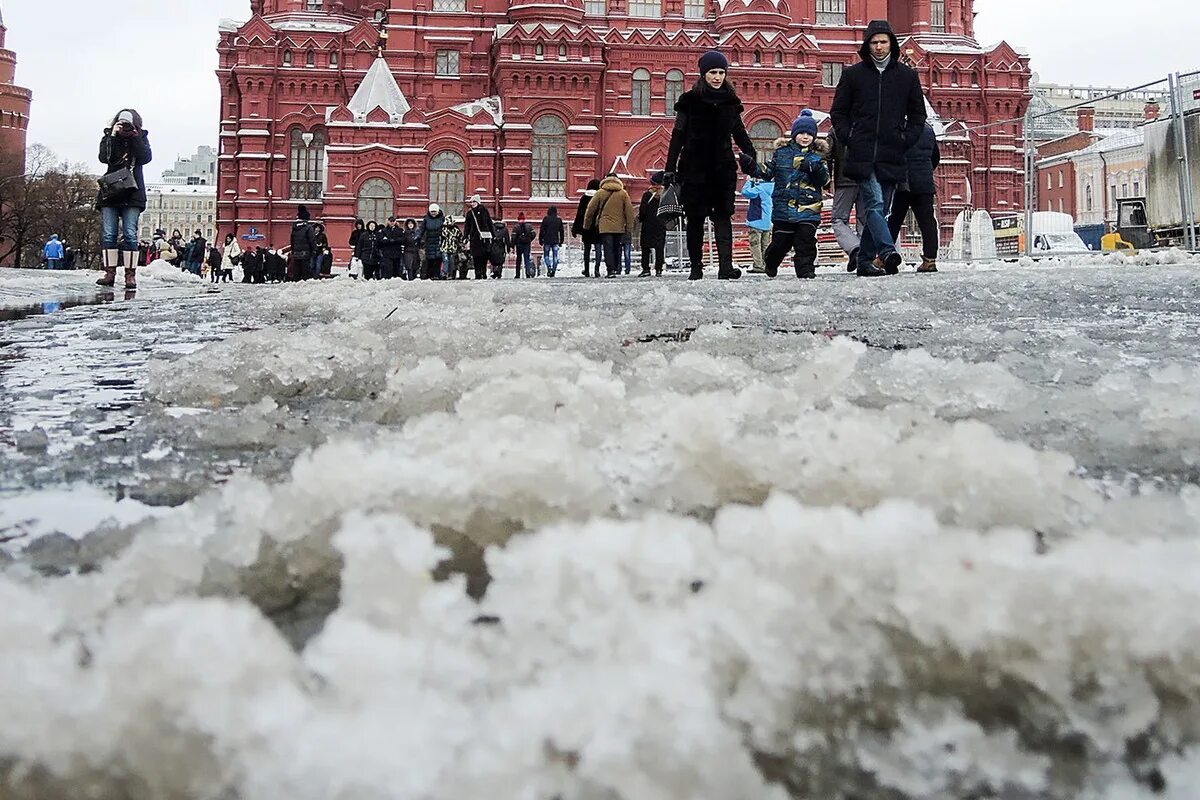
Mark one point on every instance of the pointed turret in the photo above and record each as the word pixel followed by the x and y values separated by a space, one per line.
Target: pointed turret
pixel 379 90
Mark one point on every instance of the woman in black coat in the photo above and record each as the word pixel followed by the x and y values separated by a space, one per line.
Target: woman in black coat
pixel 479 230
pixel 654 230
pixel 701 160
pixel 125 144
pixel 591 237
pixel 367 249
pixel 917 193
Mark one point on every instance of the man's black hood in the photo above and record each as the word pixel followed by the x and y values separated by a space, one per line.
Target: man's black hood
pixel 879 26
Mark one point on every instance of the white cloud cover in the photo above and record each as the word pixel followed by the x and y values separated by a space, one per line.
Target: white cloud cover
pixel 80 75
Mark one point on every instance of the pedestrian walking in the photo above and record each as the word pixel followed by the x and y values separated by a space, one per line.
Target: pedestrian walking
pixel 590 237
pixel 700 158
pixel 479 231
pixel 53 252
pixel 879 112
pixel 231 256
pixel 303 246
pixel 758 219
pixel 610 212
pixel 432 226
pixel 124 150
pixel 653 230
pixel 523 236
pixel 845 201
pixel 917 194
pixel 799 173
pixel 551 234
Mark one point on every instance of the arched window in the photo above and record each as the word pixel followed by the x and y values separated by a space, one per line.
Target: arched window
pixel 764 133
pixel 562 52
pixel 310 58
pixel 674 90
pixel 287 58
pixel 640 96
pixel 307 164
pixel 375 200
pixel 539 50
pixel 447 181
pixel 549 157
pixel 333 60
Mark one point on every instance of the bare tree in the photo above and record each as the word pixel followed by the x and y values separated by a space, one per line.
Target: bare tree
pixel 51 196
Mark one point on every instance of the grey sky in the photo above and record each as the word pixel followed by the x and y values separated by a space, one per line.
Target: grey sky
pixel 66 54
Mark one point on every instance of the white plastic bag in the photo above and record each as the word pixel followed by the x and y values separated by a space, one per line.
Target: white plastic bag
pixel 355 267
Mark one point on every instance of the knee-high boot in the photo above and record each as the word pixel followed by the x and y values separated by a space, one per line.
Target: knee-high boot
pixel 130 269
pixel 723 234
pixel 109 260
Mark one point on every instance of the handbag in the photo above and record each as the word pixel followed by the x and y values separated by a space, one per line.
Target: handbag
pixel 116 184
pixel 669 207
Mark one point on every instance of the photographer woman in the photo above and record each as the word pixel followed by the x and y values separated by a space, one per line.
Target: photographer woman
pixel 124 149
pixel 706 117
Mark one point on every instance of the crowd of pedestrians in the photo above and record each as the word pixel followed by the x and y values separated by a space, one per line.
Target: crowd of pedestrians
pixel 878 160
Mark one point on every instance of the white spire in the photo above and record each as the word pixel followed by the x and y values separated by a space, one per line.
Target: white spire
pixel 379 88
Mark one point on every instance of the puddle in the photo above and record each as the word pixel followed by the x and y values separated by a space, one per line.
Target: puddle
pixel 11 314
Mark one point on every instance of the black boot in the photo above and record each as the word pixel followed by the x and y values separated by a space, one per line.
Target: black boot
pixel 723 234
pixel 892 262
pixel 873 270
pixel 852 263
pixel 645 273
pixel 697 273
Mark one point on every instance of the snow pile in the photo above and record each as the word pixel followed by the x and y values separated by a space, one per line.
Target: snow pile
pixel 606 548
pixel 163 272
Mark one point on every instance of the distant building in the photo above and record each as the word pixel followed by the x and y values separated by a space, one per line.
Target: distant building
pixel 367 108
pixel 199 169
pixel 188 208
pixel 14 108
pixel 1125 111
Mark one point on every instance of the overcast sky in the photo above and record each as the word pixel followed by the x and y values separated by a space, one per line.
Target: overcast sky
pixel 69 54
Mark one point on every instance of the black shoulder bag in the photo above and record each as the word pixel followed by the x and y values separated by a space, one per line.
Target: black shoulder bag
pixel 118 183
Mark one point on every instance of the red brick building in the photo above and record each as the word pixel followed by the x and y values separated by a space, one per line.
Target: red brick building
pixel 14 110
pixel 373 107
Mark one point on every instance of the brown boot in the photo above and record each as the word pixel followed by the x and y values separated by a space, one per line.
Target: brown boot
pixel 109 260
pixel 928 265
pixel 131 277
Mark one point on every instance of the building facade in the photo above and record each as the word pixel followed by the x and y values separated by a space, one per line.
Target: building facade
pixel 15 103
pixel 175 206
pixel 364 108
pixel 198 169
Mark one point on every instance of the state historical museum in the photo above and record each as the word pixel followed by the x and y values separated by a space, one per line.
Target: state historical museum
pixel 367 108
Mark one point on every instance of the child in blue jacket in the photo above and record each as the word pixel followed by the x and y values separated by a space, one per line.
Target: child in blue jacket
pixel 800 173
pixel 758 219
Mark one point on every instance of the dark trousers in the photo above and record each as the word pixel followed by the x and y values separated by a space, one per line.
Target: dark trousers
pixel 611 244
pixel 659 254
pixel 480 263
pixel 391 267
pixel 722 235
pixel 801 238
pixel 922 208
pixel 591 247
pixel 433 268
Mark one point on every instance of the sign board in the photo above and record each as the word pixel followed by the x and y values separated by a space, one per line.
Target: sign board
pixel 253 236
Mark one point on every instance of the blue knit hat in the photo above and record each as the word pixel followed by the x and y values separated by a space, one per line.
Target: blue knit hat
pixel 804 124
pixel 713 60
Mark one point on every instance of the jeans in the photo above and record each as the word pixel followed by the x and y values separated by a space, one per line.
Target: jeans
pixel 588 250
pixel 523 254
pixel 628 245
pixel 922 208
pixel 876 236
pixel 126 218
pixel 550 259
pixel 449 264
pixel 54 263
pixel 612 252
pixel 845 199
pixel 801 237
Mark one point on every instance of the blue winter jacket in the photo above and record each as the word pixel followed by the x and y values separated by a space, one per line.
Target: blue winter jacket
pixel 758 216
pixel 800 175
pixel 53 249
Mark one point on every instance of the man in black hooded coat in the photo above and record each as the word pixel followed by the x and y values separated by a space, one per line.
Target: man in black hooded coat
pixel 878 111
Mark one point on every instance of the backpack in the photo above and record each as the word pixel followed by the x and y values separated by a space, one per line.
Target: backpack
pixel 524 235
pixel 214 257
